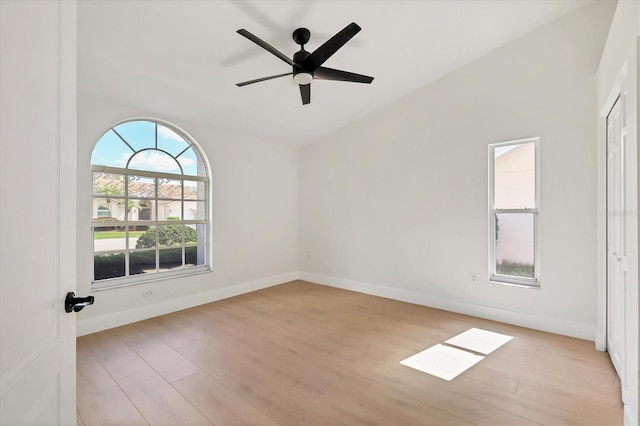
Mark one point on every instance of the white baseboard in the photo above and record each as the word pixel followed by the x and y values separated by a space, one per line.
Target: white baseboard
pixel 543 323
pixel 553 325
pixel 116 319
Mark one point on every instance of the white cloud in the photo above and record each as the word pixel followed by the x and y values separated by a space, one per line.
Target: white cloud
pixel 155 161
pixel 185 162
pixel 167 133
pixel 122 161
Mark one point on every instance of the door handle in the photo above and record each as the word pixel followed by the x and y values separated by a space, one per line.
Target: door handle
pixel 76 304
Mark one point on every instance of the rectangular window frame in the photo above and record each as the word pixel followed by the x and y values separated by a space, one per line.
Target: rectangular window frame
pixel 128 279
pixel 503 279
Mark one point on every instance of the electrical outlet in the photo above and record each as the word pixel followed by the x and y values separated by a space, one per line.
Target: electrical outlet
pixel 147 293
pixel 474 276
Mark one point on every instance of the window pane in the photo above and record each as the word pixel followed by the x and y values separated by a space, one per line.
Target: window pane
pixel 169 189
pixel 514 251
pixel 139 209
pixel 147 239
pixel 169 210
pixel 154 161
pixel 515 177
pixel 142 262
pixel 142 187
pixel 170 259
pixel 191 164
pixel 135 232
pixel 194 234
pixel 195 237
pixel 194 210
pixel 110 151
pixel 170 235
pixel 194 190
pixel 108 265
pixel 108 185
pixel 170 141
pixel 108 238
pixel 138 134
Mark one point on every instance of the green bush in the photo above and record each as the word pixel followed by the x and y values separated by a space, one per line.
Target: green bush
pixel 111 265
pixel 108 266
pixel 168 235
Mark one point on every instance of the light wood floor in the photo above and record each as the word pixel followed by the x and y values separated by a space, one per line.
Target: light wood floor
pixel 301 353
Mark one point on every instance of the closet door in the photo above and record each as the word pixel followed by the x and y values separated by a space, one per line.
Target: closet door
pixel 616 234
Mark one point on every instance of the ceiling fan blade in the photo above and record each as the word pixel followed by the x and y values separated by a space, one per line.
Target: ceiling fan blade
pixel 266 46
pixel 331 46
pixel 305 92
pixel 258 80
pixel 324 73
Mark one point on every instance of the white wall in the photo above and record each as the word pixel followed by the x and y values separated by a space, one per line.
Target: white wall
pixel 254 220
pixel 396 204
pixel 621 53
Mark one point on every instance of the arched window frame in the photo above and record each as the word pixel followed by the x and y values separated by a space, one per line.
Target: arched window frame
pixel 190 252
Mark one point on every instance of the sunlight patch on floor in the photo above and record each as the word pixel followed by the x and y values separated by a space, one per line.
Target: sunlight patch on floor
pixel 442 361
pixel 481 341
pixel 447 362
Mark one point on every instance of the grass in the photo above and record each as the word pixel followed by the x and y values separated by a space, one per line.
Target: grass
pixel 115 234
pixel 515 269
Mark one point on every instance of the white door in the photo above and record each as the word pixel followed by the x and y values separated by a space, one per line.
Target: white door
pixel 37 211
pixel 616 233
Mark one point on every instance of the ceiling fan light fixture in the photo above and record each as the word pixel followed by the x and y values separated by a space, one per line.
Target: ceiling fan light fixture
pixel 303 78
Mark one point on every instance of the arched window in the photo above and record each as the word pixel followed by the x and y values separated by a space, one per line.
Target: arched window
pixel 150 204
pixel 103 211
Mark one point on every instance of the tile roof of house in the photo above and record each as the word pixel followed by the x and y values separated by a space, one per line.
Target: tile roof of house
pixel 109 186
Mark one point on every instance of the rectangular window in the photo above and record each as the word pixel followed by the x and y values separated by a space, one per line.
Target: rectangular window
pixel 145 224
pixel 513 204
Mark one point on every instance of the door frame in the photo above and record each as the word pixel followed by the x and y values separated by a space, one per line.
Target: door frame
pixel 615 93
pixel 626 87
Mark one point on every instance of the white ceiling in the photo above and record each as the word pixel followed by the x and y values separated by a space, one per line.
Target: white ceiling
pixel 182 58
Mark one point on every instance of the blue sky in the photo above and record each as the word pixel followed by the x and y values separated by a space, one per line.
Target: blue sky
pixel 112 151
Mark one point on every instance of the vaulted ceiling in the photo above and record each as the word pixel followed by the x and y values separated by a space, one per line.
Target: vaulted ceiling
pixel 182 58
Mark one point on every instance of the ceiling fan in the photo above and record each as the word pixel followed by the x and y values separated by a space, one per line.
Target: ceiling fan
pixel 308 66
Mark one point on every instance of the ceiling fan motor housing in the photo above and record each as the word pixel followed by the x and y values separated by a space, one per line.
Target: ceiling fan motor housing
pixel 298 57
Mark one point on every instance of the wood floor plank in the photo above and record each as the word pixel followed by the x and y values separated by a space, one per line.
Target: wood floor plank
pixel 159 402
pixel 163 328
pixel 270 398
pixel 301 353
pixel 100 400
pixel 118 358
pixel 160 356
pixel 558 382
pixel 291 358
pixel 216 401
pixel 597 413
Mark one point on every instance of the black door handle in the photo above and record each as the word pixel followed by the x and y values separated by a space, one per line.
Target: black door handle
pixel 76 304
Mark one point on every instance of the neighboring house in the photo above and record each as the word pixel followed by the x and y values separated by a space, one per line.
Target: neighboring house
pixel 141 204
